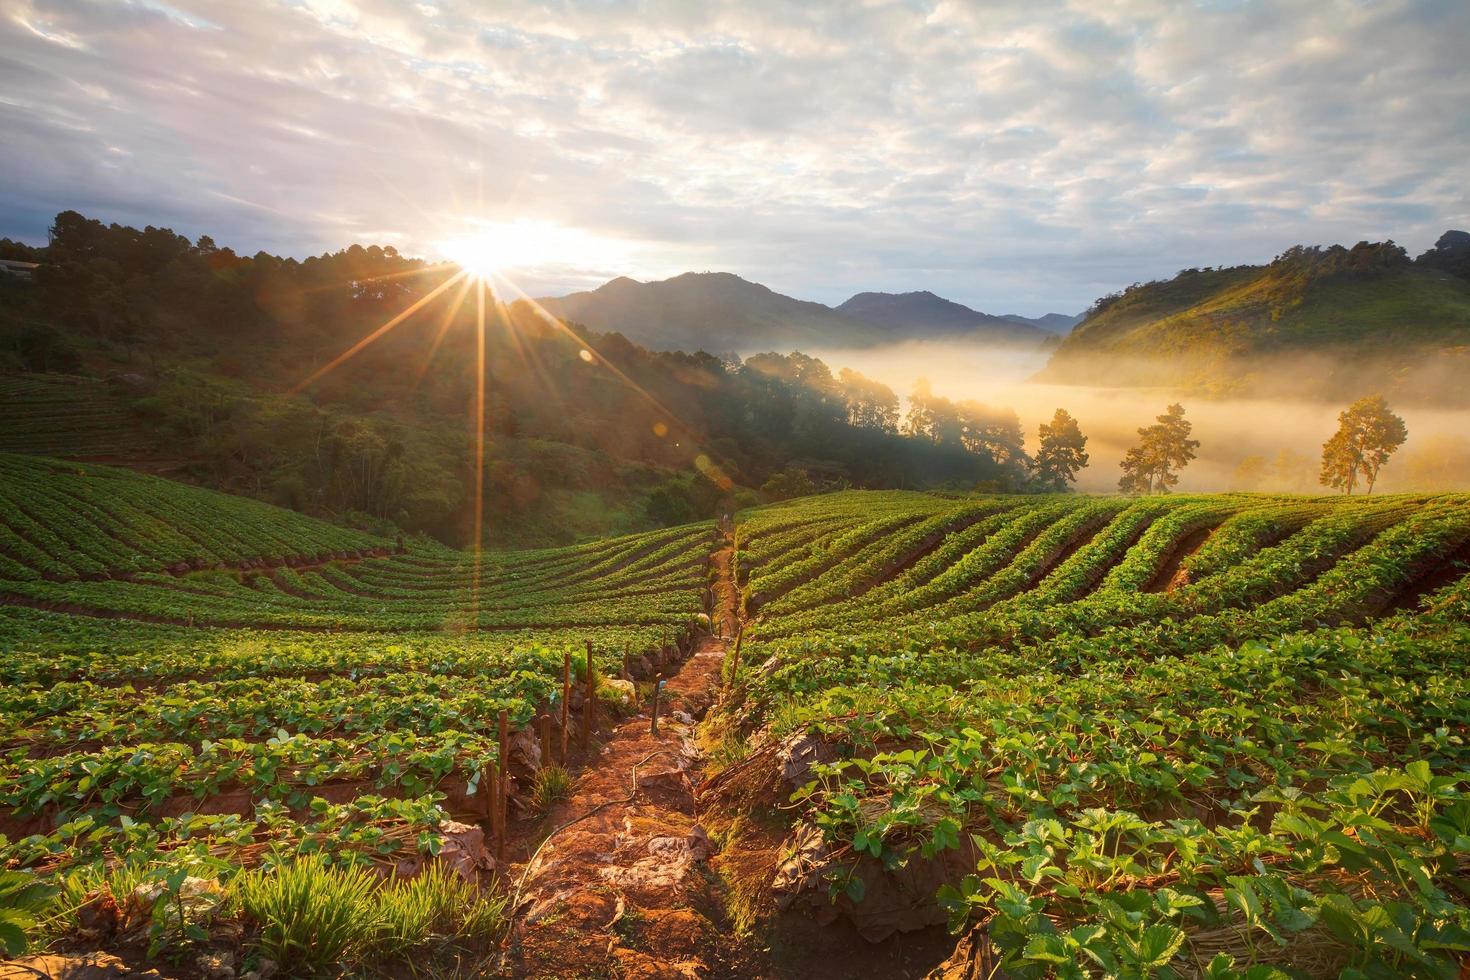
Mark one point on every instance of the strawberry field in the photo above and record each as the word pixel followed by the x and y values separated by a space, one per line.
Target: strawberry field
pixel 1220 735
pixel 1215 735
pixel 194 684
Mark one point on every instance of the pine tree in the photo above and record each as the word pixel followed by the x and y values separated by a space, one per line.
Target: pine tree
pixel 1165 448
pixel 1063 451
pixel 1368 433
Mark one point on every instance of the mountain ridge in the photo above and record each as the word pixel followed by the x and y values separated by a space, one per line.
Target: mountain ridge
pixel 1368 316
pixel 722 311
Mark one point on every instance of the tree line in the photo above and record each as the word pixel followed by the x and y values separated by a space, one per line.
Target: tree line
pixel 1368 434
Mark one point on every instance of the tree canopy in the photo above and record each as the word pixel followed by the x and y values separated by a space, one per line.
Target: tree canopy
pixel 1061 453
pixel 1163 449
pixel 1368 433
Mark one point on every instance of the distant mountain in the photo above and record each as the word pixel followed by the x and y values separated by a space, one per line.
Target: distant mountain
pixel 713 311
pixel 1329 321
pixel 1055 323
pixel 925 315
pixel 719 311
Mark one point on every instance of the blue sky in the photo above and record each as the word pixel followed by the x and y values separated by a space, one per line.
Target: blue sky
pixel 1015 156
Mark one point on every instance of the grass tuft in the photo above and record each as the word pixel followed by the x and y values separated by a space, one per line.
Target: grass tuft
pixel 553 784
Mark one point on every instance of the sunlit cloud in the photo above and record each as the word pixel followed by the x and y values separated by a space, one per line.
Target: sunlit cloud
pixel 1015 156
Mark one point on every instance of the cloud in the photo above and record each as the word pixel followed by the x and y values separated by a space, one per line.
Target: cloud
pixel 1016 156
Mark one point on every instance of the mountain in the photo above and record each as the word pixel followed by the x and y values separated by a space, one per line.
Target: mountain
pixel 1314 321
pixel 1054 323
pixel 713 311
pixel 719 311
pixel 925 315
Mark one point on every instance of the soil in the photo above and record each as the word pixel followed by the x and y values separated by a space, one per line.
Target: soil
pixel 622 885
pixel 1171 574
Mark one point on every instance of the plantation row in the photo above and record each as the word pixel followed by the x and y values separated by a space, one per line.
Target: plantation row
pixel 104 542
pixel 192 684
pixel 64 416
pixel 1180 735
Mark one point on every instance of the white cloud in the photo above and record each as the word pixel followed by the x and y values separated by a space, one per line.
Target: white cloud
pixel 1016 156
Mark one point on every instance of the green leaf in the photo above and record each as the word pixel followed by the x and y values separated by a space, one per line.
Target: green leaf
pixel 1049 948
pixel 1159 944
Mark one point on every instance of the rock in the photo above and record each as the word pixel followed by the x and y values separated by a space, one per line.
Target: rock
pixel 216 965
pixel 798 754
pixel 134 382
pixel 82 966
pixel 264 970
pixel 198 897
pixel 973 959
pixel 97 919
pixel 525 755
pixel 667 862
pixel 670 789
pixel 682 717
pixel 625 690
pixel 463 852
pixel 894 900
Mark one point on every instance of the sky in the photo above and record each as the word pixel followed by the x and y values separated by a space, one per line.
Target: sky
pixel 1019 157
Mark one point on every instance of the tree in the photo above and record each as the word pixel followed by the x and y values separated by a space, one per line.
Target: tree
pixel 791 482
pixel 1368 433
pixel 870 404
pixel 1062 453
pixel 1165 448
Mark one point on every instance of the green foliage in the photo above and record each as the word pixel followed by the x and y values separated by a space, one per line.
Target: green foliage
pixel 553 784
pixel 1367 435
pixel 22 898
pixel 1061 453
pixel 789 483
pixel 1366 314
pixel 1141 776
pixel 316 915
pixel 1163 449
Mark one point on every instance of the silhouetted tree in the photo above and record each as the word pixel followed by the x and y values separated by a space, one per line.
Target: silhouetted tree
pixel 1367 435
pixel 870 404
pixel 1062 452
pixel 1165 448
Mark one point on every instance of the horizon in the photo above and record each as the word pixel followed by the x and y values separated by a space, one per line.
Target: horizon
pixel 1011 160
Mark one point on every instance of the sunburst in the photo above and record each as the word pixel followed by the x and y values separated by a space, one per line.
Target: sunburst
pixel 482 262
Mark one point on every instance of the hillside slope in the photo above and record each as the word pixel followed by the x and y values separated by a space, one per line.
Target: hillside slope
pixel 1366 316
pixel 923 314
pixel 712 311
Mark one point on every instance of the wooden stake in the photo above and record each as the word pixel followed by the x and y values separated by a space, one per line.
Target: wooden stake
pixel 658 688
pixel 566 702
pixel 504 794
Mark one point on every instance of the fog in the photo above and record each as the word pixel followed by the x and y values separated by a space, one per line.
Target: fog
pixel 1245 443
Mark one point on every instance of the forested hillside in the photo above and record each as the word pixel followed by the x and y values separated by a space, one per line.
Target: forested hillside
pixel 144 348
pixel 1365 316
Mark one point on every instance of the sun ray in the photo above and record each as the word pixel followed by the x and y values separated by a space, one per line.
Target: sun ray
pixel 479 452
pixel 405 274
pixel 443 330
pixel 598 358
pixel 375 335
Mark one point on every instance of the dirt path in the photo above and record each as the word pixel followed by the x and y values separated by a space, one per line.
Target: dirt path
pixel 624 891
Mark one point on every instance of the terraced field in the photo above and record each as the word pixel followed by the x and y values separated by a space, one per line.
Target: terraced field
pixel 65 416
pixel 191 682
pixel 1185 735
pixel 1197 735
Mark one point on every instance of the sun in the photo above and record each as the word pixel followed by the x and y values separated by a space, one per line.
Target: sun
pixel 485 255
pixel 488 250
